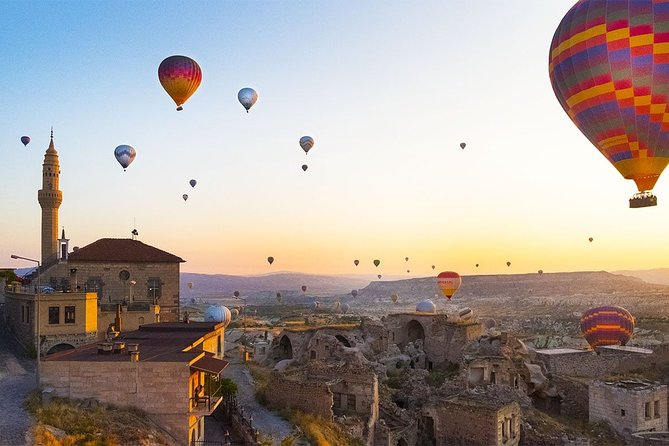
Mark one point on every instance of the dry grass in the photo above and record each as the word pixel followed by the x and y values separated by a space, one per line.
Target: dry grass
pixel 320 432
pixel 92 426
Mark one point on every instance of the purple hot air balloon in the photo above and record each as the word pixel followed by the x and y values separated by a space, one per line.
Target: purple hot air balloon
pixel 25 140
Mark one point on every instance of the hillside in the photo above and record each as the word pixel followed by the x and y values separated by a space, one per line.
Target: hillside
pixel 657 275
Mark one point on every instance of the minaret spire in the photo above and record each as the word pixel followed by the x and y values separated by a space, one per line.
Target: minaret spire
pixel 50 198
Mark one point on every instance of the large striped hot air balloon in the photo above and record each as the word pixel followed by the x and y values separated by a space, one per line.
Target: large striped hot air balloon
pixel 180 76
pixel 609 67
pixel 608 325
pixel 449 282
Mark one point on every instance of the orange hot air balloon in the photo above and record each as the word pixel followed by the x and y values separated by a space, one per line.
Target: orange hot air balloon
pixel 449 282
pixel 180 76
pixel 607 325
pixel 610 72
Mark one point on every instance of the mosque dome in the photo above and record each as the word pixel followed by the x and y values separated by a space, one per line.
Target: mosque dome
pixel 218 313
pixel 426 306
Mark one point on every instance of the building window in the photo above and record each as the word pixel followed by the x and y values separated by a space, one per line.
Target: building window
pixel 656 405
pixel 54 315
pixel 69 315
pixel 313 354
pixel 153 288
pixel 336 399
pixel 505 433
pixel 646 410
pixel 512 426
pixel 350 402
pixel 622 412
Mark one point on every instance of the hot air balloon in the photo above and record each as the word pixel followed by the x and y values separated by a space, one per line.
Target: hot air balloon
pixel 192 183
pixel 609 69
pixel 25 140
pixel 508 263
pixel 180 76
pixel 304 167
pixel 236 294
pixel 477 265
pixel 336 306
pixel 408 271
pixel 541 271
pixel 449 282
pixel 356 262
pixel 393 297
pixel 125 155
pixel 590 239
pixel 463 145
pixel 406 259
pixel 354 293
pixel 247 97
pixel 190 285
pixel 304 288
pixel 345 308
pixel 279 298
pixel 607 325
pixel 433 267
pixel 379 276
pixel 270 260
pixel 426 306
pixel 377 262
pixel 185 197
pixel 306 142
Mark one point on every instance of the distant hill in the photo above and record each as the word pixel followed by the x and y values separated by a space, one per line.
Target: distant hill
pixel 658 275
pixel 219 285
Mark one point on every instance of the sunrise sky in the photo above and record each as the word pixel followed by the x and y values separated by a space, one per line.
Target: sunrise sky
pixel 388 90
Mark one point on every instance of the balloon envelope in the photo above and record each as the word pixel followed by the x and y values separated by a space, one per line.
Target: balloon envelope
pixel 190 284
pixel 433 266
pixel 185 197
pixel 180 76
pixel 590 239
pixel 379 276
pixel 449 282
pixel 304 167
pixel 612 79
pixel 306 142
pixel 25 140
pixel 463 145
pixel 377 262
pixel 236 294
pixel 508 263
pixel 247 97
pixel 304 288
pixel 192 183
pixel 607 325
pixel 356 262
pixel 393 297
pixel 270 260
pixel 125 155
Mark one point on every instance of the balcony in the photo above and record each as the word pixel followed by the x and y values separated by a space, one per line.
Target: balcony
pixel 204 405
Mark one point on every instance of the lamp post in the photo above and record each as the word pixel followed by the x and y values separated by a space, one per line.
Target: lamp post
pixel 36 318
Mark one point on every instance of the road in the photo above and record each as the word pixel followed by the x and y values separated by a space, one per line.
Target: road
pixel 17 379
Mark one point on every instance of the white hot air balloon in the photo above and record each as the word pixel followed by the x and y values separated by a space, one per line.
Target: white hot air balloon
pixel 247 97
pixel 125 155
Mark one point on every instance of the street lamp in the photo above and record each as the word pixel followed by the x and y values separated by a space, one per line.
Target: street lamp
pixel 36 318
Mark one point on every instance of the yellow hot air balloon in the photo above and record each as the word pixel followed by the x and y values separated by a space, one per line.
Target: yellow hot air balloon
pixel 449 282
pixel 180 76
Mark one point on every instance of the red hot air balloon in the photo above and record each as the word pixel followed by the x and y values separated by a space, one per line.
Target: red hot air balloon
pixel 449 282
pixel 607 325
pixel 609 68
pixel 180 76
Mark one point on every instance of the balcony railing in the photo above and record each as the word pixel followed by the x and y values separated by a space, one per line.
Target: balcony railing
pixel 205 403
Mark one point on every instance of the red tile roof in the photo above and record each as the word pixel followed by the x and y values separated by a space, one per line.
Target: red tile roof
pixel 122 250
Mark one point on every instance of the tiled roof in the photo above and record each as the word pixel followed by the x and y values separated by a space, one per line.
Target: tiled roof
pixel 122 250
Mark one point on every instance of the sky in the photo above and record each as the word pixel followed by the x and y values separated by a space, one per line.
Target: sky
pixel 387 89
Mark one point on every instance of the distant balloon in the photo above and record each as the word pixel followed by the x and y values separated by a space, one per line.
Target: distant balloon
pixel 379 276
pixel 25 140
pixel 377 262
pixel 279 298
pixel 607 325
pixel 247 97
pixel 590 239
pixel 477 265
pixel 433 266
pixel 393 297
pixel 463 145
pixel 406 259
pixel 190 285
pixel 449 282
pixel 345 308
pixel 236 294
pixel 180 76
pixel 336 306
pixel 185 197
pixel 192 183
pixel 270 260
pixel 125 155
pixel 306 142
pixel 541 271
pixel 356 262
pixel 354 293
pixel 408 271
pixel 508 263
pixel 234 313
pixel 304 167
pixel 304 288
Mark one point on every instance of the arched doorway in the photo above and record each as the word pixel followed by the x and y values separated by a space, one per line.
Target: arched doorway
pixel 59 348
pixel 285 348
pixel 415 331
pixel 343 340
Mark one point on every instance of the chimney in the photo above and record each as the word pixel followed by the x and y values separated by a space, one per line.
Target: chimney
pixel 117 320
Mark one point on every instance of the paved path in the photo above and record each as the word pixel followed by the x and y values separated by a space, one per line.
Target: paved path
pixel 17 379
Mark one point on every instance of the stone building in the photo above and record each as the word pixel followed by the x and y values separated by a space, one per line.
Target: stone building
pixel 629 406
pixel 592 364
pixel 157 369
pixel 470 420
pixel 442 340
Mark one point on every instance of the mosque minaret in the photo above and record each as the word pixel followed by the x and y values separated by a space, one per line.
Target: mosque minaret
pixel 50 198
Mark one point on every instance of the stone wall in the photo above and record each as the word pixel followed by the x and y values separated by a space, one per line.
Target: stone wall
pixel 625 408
pixel 574 395
pixel 305 395
pixel 158 388
pixel 592 365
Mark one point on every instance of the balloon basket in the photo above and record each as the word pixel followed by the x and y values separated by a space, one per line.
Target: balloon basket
pixel 642 200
